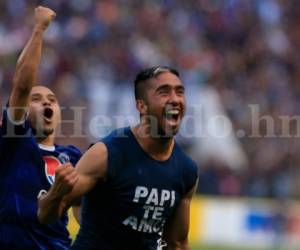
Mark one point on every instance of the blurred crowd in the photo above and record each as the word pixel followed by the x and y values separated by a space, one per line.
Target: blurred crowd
pixel 246 51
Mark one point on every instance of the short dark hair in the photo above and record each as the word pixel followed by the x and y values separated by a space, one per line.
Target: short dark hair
pixel 148 73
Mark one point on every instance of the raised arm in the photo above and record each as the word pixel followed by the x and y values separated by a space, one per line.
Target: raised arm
pixel 70 184
pixel 27 65
pixel 176 233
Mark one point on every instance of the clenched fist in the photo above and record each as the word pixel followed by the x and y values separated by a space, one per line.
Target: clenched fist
pixel 43 16
pixel 65 179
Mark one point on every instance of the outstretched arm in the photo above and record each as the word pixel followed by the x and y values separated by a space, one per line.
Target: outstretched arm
pixel 70 184
pixel 176 233
pixel 27 65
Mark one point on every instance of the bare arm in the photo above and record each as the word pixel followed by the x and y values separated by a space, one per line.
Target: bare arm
pixel 176 233
pixel 27 65
pixel 76 213
pixel 71 184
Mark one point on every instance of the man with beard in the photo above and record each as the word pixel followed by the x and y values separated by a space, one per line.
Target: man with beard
pixel 28 155
pixel 137 182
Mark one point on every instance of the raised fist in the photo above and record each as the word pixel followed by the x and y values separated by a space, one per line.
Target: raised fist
pixel 65 179
pixel 43 16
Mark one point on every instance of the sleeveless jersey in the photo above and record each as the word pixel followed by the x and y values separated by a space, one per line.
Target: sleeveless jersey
pixel 128 211
pixel 25 171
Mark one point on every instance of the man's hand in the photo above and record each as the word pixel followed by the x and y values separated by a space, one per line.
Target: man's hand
pixel 71 184
pixel 51 205
pixel 65 179
pixel 43 16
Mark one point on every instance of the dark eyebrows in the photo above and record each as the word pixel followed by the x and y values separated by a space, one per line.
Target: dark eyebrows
pixel 51 96
pixel 40 95
pixel 180 87
pixel 168 86
pixel 163 87
pixel 36 95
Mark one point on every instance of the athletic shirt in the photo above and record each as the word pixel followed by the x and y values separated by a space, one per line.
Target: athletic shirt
pixel 129 210
pixel 26 170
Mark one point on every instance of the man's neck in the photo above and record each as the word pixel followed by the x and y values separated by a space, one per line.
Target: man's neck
pixel 159 148
pixel 47 141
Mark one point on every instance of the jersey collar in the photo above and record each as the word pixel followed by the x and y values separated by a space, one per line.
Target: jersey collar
pixel 47 148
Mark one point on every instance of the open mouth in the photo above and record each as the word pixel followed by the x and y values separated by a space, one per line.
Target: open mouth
pixel 172 115
pixel 48 113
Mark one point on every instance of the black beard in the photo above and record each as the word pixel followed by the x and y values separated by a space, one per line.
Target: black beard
pixel 161 133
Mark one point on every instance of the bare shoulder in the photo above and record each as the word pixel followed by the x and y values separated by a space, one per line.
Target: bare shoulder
pixel 94 161
pixel 98 147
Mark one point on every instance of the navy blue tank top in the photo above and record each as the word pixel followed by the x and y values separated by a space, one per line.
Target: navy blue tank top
pixel 128 211
pixel 25 171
